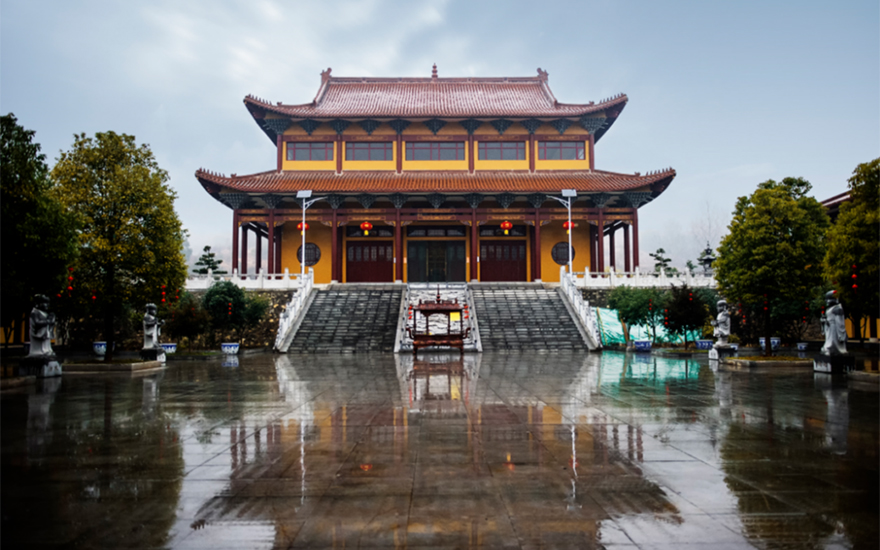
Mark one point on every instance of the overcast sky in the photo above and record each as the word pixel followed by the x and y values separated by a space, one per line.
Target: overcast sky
pixel 729 94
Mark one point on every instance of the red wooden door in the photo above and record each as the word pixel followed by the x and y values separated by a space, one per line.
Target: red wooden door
pixel 503 261
pixel 370 262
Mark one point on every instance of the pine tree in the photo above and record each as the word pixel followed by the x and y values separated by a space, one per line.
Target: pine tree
pixel 208 260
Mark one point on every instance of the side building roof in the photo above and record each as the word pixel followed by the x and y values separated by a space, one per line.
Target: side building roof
pixel 481 99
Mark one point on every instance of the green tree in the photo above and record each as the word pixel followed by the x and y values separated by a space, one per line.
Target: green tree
pixel 39 239
pixel 662 262
pixel 131 238
pixel 852 261
pixel 774 248
pixel 186 318
pixel 229 307
pixel 638 306
pixel 208 260
pixel 685 312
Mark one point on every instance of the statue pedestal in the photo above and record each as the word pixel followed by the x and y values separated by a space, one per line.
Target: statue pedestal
pixel 153 354
pixel 41 366
pixel 834 364
pixel 721 352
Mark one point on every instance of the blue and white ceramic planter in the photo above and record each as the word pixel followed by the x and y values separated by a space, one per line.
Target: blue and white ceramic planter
pixel 642 345
pixel 734 347
pixel 100 348
pixel 802 346
pixel 170 349
pixel 229 348
pixel 704 344
pixel 774 342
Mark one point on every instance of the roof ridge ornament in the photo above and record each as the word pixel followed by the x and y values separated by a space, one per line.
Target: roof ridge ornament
pixel 325 75
pixel 434 73
pixel 542 75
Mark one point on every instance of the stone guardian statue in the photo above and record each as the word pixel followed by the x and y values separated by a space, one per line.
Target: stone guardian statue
pixel 722 325
pixel 42 327
pixel 833 326
pixel 152 351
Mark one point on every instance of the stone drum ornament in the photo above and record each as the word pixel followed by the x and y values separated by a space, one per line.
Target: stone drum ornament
pixel 41 360
pixel 834 358
pixel 152 350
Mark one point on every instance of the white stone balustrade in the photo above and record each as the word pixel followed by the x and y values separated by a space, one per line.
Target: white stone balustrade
pixel 581 308
pixel 648 279
pixel 250 281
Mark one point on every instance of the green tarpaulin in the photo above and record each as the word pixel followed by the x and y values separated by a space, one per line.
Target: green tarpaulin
pixel 612 330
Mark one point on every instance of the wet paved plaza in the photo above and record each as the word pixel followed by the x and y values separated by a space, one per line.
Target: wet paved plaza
pixel 498 451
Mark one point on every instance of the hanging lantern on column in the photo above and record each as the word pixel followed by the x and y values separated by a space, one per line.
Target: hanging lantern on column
pixel 365 227
pixel 567 226
pixel 303 227
pixel 506 226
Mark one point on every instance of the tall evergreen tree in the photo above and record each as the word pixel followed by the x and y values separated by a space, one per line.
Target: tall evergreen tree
pixel 131 239
pixel 852 261
pixel 774 249
pixel 39 239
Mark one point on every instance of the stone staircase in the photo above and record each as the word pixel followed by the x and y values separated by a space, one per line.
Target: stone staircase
pixel 351 318
pixel 526 316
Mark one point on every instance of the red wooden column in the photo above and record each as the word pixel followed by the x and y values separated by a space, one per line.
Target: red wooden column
pixel 635 238
pixel 531 152
pixel 537 262
pixel 475 246
pixel 278 236
pixel 234 240
pixel 334 250
pixel 470 149
pixel 244 247
pixel 601 249
pixel 259 250
pixel 399 153
pixel 398 247
pixel 627 259
pixel 270 243
pixel 611 246
pixel 592 229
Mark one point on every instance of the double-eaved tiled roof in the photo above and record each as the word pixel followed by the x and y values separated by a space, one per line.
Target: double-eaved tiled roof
pixel 433 97
pixel 387 182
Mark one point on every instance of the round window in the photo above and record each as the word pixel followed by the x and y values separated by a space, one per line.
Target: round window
pixel 559 253
pixel 313 254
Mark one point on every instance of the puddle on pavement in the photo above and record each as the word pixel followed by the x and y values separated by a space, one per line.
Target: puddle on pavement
pixel 494 450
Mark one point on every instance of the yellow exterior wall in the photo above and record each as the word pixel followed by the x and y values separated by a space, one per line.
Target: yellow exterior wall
pixel 553 233
pixel 355 165
pixel 291 240
pixel 295 165
pixel 565 164
pixel 500 164
pixel 435 164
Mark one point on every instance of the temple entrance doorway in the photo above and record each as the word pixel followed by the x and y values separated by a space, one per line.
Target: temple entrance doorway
pixel 436 261
pixel 370 262
pixel 503 261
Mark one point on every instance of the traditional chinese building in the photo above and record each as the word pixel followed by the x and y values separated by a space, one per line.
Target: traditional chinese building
pixel 435 179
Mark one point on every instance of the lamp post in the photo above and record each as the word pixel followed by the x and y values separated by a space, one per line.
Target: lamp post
pixel 306 202
pixel 568 196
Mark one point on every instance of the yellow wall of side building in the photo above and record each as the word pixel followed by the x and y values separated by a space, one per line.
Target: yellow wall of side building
pixel 435 164
pixel 553 233
pixel 291 240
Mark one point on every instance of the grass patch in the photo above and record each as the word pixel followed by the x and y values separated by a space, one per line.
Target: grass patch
pixel 771 358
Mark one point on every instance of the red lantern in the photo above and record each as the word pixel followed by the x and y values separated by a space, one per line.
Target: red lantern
pixel 568 226
pixel 366 226
pixel 506 226
pixel 302 227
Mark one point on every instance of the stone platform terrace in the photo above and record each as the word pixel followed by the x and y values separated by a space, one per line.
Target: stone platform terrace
pixel 497 451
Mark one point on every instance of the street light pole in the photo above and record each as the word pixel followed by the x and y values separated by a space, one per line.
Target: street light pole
pixel 304 196
pixel 568 195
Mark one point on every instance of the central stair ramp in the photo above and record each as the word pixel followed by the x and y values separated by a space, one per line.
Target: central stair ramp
pixel 526 317
pixel 350 318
